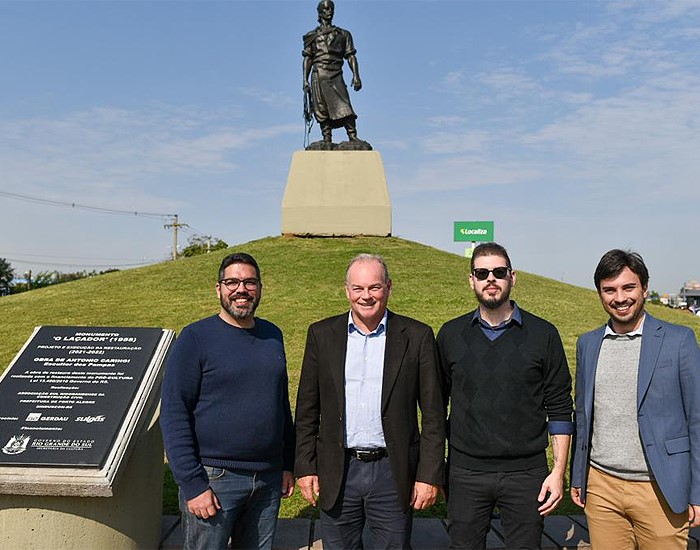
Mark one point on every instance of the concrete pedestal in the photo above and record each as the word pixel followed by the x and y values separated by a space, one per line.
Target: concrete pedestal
pixel 128 519
pixel 336 193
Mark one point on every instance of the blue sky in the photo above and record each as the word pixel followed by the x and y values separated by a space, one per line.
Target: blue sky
pixel 573 125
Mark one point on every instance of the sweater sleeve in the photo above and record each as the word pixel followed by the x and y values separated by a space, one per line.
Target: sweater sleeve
pixel 557 387
pixel 181 383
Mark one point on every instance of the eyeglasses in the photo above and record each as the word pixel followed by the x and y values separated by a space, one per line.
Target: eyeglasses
pixel 233 284
pixel 481 273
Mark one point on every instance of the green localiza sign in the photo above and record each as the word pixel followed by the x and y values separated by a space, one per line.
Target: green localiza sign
pixel 474 231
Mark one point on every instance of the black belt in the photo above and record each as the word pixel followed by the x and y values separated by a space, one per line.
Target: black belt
pixel 368 455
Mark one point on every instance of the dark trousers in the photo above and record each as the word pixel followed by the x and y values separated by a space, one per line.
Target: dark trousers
pixel 473 496
pixel 369 494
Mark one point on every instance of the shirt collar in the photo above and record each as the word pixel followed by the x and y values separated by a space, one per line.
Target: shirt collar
pixel 636 332
pixel 515 317
pixel 381 327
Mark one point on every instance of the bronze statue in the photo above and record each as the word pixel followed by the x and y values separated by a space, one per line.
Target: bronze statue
pixel 326 96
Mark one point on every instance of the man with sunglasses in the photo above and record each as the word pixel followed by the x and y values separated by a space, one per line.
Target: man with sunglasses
pixel 226 419
pixel 509 386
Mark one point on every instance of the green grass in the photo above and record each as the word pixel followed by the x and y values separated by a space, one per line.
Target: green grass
pixel 303 282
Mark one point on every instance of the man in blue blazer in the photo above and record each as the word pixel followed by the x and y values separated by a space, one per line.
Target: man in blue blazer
pixel 636 456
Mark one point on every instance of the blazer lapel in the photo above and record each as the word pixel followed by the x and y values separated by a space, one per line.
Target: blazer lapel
pixel 591 354
pixel 652 338
pixel 336 360
pixel 396 344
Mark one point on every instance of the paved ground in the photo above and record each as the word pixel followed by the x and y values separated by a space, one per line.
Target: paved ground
pixel 428 534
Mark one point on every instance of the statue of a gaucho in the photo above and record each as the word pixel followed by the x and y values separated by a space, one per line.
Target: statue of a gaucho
pixel 325 48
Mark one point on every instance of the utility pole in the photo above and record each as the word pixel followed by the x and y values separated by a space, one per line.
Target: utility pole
pixel 175 226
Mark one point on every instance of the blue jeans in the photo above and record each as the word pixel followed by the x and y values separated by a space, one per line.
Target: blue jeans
pixel 249 502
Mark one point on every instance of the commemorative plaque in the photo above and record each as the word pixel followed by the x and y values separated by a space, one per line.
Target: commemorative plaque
pixel 63 400
pixel 73 397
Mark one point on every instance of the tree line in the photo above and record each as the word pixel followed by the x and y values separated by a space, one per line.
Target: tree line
pixel 30 281
pixel 198 244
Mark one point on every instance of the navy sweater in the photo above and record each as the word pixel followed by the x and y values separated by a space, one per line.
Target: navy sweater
pixel 225 402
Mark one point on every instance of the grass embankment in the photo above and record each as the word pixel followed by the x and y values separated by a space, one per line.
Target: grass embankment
pixel 303 282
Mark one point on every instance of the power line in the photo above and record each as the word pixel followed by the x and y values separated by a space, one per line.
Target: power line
pixel 64 257
pixel 196 232
pixel 28 198
pixel 136 264
pixel 175 225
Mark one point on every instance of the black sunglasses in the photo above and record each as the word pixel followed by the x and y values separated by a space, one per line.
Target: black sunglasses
pixel 481 273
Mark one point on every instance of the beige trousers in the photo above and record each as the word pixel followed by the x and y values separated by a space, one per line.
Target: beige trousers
pixel 625 515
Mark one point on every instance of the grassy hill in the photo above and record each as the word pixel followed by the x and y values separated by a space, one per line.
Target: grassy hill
pixel 303 282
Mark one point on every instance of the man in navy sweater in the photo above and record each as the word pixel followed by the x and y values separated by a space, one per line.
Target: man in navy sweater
pixel 226 419
pixel 509 385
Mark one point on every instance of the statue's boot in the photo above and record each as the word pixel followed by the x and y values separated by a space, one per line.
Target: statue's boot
pixel 327 132
pixel 351 129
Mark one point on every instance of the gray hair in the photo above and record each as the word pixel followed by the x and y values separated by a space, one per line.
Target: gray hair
pixel 369 258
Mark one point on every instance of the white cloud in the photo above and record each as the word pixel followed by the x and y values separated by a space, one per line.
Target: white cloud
pixel 647 137
pixel 454 78
pixel 274 99
pixel 106 148
pixel 626 124
pixel 455 142
pixel 508 82
pixel 446 120
pixel 463 172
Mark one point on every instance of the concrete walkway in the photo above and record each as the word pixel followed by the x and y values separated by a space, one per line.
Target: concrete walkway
pixel 428 534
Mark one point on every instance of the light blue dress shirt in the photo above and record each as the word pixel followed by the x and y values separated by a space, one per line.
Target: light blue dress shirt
pixel 364 371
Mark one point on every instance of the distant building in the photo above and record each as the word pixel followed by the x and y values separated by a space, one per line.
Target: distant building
pixel 690 294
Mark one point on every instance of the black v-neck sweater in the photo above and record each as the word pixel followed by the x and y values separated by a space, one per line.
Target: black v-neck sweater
pixel 503 392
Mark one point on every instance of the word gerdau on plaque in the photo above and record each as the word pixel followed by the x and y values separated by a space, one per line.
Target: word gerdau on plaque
pixel 65 397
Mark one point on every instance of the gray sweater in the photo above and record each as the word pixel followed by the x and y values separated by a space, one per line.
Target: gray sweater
pixel 616 447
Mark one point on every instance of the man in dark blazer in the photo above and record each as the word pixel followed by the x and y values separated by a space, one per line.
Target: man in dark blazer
pixel 359 450
pixel 636 457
